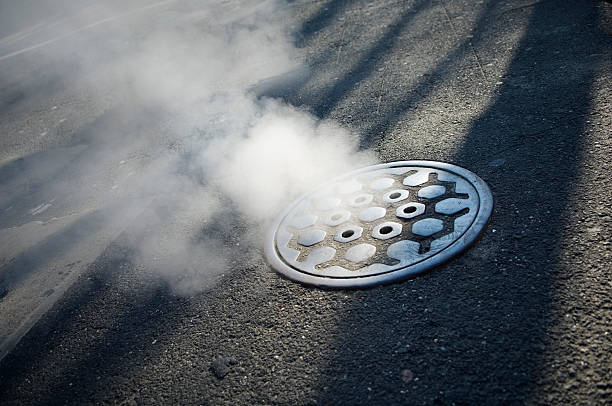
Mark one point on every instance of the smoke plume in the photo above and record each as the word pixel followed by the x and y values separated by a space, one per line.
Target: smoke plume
pixel 180 134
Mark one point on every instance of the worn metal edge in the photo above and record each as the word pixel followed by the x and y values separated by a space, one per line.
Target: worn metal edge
pixel 462 243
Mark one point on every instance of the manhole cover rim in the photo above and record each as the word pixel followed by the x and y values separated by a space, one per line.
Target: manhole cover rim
pixel 459 245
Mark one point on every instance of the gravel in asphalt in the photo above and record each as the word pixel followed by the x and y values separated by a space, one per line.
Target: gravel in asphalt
pixel 516 91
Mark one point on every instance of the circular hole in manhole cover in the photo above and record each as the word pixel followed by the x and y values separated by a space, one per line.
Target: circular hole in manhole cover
pixel 373 234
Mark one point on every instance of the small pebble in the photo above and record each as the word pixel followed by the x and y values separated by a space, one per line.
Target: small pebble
pixel 221 366
pixel 407 375
pixel 496 163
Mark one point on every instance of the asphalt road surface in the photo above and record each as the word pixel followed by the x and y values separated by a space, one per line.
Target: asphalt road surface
pixel 517 91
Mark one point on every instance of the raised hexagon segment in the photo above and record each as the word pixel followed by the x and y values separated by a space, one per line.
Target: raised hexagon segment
pixel 303 221
pixel 396 195
pixel 382 183
pixel 443 241
pixel 462 223
pixel 311 237
pixel 348 234
pixel 372 214
pixel 386 230
pixel 336 218
pixel 427 227
pixel 461 185
pixel 360 253
pixel 361 200
pixel 350 186
pixel 404 250
pixel 319 256
pixel 410 210
pixel 452 205
pixel 416 179
pixel 327 203
pixel 431 192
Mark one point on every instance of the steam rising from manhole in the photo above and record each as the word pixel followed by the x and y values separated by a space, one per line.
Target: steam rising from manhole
pixel 397 220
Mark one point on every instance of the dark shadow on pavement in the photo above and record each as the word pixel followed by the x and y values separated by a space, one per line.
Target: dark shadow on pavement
pixel 89 354
pixel 321 19
pixel 68 172
pixel 368 62
pixel 474 331
pixel 39 255
pixel 470 332
pixel 434 77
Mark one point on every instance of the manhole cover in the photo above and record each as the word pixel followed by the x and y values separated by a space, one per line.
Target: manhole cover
pixel 380 224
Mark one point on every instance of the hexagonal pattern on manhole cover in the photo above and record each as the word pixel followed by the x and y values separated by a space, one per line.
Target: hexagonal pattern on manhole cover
pixel 380 224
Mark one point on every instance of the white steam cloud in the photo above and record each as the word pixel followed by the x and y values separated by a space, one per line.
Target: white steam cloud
pixel 210 162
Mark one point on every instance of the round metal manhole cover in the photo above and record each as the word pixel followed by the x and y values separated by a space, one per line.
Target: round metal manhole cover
pixel 380 224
